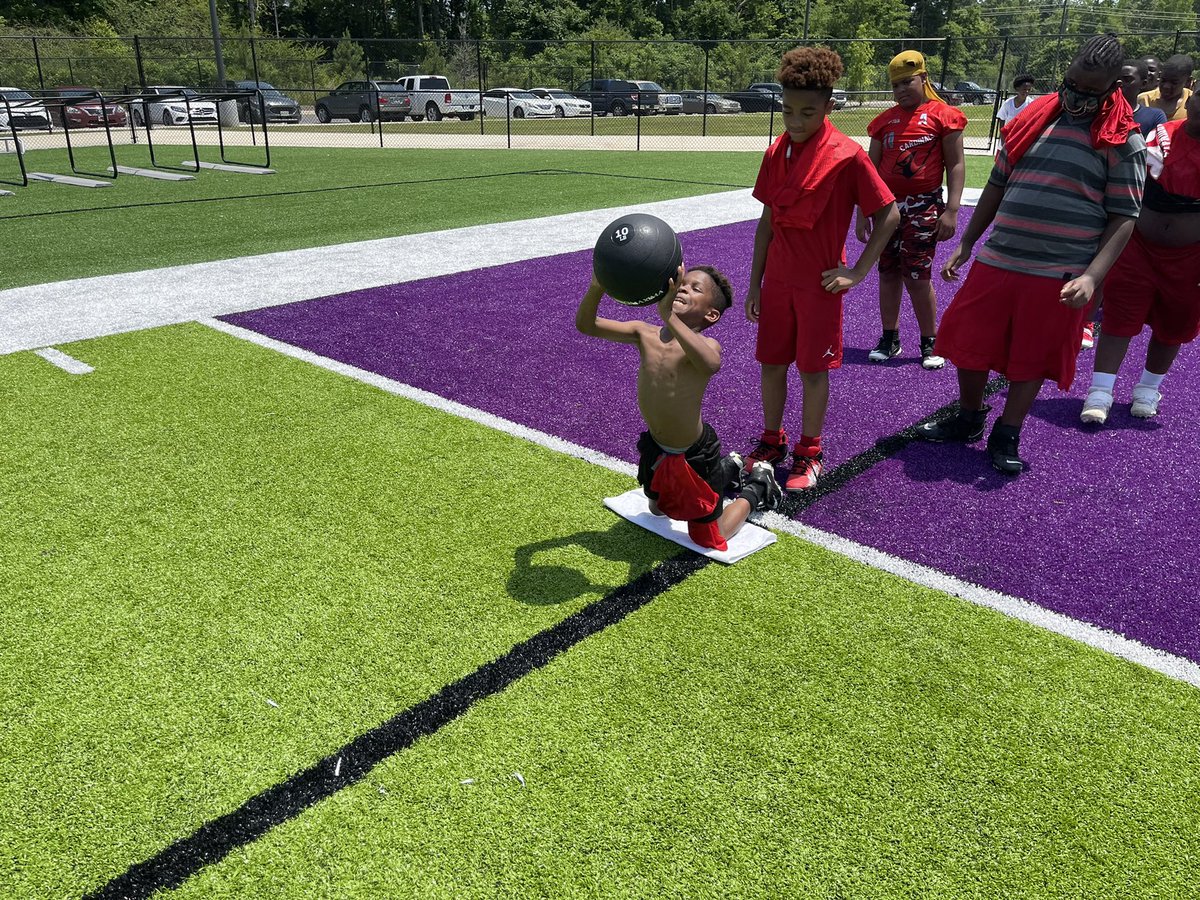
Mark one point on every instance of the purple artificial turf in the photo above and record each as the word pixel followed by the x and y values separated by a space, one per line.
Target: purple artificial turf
pixel 1096 529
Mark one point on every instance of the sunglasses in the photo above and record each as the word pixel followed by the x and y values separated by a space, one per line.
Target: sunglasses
pixel 1069 84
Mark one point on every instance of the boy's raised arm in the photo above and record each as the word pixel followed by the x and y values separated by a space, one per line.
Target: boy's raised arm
pixel 608 329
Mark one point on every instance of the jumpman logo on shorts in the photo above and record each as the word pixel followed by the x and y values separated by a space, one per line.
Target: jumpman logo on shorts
pixel 829 352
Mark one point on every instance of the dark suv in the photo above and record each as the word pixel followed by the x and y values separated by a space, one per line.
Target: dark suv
pixel 363 101
pixel 617 96
pixel 278 107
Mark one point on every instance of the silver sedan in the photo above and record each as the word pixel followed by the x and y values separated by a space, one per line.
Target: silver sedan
pixel 698 102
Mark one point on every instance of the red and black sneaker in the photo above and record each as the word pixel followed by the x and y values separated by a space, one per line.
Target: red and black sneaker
pixel 806 469
pixel 768 452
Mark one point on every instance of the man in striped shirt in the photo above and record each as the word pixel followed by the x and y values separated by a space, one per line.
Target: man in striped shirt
pixel 1064 195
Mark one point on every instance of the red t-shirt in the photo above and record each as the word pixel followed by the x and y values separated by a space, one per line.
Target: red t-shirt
pixel 912 161
pixel 798 256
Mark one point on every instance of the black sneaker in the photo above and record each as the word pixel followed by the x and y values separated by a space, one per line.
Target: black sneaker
pixel 965 427
pixel 1002 448
pixel 929 359
pixel 731 474
pixel 761 489
pixel 888 347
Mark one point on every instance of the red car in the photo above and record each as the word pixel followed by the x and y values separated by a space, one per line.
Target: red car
pixel 84 110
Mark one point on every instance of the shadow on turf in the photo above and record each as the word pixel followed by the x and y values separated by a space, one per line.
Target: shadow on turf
pixel 539 579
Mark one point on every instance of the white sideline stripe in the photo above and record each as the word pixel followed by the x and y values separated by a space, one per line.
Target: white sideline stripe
pixel 63 311
pixel 1168 664
pixel 428 399
pixel 64 362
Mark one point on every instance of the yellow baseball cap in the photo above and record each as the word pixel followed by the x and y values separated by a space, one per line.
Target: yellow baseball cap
pixel 905 65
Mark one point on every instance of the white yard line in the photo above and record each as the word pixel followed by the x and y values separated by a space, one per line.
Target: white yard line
pixel 64 362
pixel 1168 664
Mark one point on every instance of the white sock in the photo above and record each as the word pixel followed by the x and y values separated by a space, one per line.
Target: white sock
pixel 1104 380
pixel 1149 379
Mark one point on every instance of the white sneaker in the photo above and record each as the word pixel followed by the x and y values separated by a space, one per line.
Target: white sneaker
pixel 1145 401
pixel 1095 408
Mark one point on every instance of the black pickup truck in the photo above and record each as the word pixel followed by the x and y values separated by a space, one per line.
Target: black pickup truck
pixel 617 97
pixel 762 96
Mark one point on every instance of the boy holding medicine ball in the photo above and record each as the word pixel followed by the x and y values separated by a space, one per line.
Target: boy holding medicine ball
pixel 680 466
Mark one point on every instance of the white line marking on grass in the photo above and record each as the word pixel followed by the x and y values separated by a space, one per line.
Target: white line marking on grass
pixel 64 311
pixel 428 399
pixel 1176 667
pixel 64 362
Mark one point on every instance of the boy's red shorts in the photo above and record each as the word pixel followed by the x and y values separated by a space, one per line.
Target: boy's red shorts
pixel 1153 285
pixel 1014 324
pixel 800 325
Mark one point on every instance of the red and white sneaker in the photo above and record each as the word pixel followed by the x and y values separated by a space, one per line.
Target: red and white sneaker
pixel 805 471
pixel 767 452
pixel 1088 341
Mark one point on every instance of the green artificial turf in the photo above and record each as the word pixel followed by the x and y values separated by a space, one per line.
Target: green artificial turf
pixel 202 528
pixel 797 725
pixel 326 196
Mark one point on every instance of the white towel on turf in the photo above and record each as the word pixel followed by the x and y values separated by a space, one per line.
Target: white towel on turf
pixel 634 506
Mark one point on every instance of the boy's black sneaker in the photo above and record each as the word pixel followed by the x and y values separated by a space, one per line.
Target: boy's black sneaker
pixel 1002 446
pixel 732 475
pixel 888 347
pixel 964 427
pixel 929 359
pixel 762 491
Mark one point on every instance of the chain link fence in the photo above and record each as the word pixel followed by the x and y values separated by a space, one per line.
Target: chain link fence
pixel 712 95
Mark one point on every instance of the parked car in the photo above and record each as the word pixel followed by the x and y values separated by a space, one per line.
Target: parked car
pixel 617 97
pixel 762 96
pixel 278 107
pixel 364 101
pixel 565 105
pixel 701 102
pixel 24 111
pixel 669 104
pixel 970 92
pixel 516 102
pixel 82 107
pixel 434 99
pixel 839 98
pixel 172 105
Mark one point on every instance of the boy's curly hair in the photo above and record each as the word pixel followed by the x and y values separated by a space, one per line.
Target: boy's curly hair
pixel 724 288
pixel 810 69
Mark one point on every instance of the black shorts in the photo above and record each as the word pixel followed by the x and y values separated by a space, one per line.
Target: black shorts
pixel 704 457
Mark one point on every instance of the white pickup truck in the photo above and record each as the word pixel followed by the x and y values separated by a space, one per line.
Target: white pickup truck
pixel 433 99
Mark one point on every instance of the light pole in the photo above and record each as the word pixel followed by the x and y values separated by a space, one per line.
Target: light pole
pixel 216 34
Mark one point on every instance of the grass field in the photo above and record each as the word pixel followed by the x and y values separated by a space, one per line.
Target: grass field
pixel 326 197
pixel 276 627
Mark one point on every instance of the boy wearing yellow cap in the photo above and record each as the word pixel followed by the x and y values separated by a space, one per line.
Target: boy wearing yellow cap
pixel 912 145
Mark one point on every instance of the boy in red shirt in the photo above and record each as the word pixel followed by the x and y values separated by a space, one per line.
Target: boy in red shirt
pixel 912 144
pixel 812 178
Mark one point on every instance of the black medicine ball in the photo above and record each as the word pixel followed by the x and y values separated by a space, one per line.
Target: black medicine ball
pixel 635 258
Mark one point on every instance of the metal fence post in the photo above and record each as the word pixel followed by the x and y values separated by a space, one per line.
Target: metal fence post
pixel 141 67
pixel 771 121
pixel 704 95
pixel 999 93
pixel 1175 46
pixel 253 62
pixel 37 58
pixel 594 92
pixel 508 118
pixel 479 68
pixel 637 114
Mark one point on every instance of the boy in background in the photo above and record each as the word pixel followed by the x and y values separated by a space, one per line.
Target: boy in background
pixel 912 145
pixel 1019 102
pixel 811 179
pixel 1174 88
pixel 1135 81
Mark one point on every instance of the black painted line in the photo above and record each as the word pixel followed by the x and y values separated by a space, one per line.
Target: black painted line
pixel 348 765
pixel 217 838
pixel 838 477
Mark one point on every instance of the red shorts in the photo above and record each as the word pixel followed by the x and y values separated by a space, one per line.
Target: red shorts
pixel 1157 286
pixel 1014 324
pixel 800 325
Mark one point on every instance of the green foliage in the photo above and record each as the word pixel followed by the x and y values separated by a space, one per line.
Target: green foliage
pixel 349 61
pixel 857 57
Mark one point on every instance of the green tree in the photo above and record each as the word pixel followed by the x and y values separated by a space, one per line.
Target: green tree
pixel 349 62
